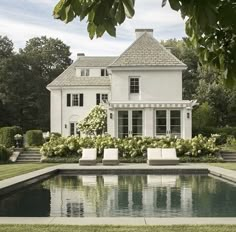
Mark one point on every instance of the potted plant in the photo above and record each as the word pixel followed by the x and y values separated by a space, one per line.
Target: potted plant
pixel 19 140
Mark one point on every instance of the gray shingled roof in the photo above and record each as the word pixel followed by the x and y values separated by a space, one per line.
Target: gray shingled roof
pixel 147 51
pixel 69 78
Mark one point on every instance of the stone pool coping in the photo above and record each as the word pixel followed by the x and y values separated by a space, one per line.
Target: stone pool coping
pixel 140 221
pixel 17 182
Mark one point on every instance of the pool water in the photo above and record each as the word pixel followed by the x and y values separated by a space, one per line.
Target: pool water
pixel 123 196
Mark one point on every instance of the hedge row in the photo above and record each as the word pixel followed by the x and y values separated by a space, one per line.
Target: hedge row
pixel 129 147
pixel 224 132
pixel 7 135
pixel 34 137
pixel 4 154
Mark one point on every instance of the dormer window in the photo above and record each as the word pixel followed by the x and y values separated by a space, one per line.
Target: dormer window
pixel 134 85
pixel 104 72
pixel 84 72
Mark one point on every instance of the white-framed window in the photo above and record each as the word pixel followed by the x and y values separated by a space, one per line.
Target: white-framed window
pixel 84 72
pixel 104 72
pixel 101 97
pixel 75 99
pixel 134 86
pixel 73 129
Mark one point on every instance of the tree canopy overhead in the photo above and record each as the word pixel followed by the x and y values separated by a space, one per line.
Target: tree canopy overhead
pixel 210 25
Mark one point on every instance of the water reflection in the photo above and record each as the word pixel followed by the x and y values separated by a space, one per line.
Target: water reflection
pixel 112 195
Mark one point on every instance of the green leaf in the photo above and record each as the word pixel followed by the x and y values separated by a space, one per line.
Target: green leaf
pixel 91 30
pixel 110 28
pixel 77 8
pixel 120 13
pixel 174 4
pixel 129 8
pixel 100 30
pixel 100 14
pixel 59 9
pixel 69 14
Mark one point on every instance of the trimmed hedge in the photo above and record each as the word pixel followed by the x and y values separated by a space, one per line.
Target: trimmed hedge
pixel 4 154
pixel 34 137
pixel 224 132
pixel 7 135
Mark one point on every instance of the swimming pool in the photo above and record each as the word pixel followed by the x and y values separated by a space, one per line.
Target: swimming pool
pixel 123 196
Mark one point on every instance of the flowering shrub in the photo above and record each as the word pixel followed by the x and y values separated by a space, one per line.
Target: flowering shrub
pixel 129 147
pixel 95 122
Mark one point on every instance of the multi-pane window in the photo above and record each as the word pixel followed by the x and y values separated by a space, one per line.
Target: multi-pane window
pixel 84 72
pixel 104 72
pixel 73 129
pixel 101 97
pixel 75 99
pixel 134 84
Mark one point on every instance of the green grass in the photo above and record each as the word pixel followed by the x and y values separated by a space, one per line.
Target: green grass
pixel 61 228
pixel 11 170
pixel 231 166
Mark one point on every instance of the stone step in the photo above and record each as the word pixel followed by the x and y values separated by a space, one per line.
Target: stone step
pixel 28 161
pixel 228 156
pixel 230 160
pixel 30 155
pixel 31 152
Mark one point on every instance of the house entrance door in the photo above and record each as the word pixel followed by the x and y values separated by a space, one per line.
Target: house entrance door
pixel 130 123
pixel 168 123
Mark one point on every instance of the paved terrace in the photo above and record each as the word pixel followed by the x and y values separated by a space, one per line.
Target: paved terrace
pixel 17 182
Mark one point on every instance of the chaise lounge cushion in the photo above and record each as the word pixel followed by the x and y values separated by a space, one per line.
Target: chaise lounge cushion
pixel 89 156
pixel 110 156
pixel 164 156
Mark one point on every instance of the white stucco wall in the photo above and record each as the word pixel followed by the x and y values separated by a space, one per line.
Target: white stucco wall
pixel 55 110
pixel 155 85
pixel 60 119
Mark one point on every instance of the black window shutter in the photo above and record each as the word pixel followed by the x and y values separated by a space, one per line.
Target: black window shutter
pixel 81 99
pixel 68 99
pixel 98 98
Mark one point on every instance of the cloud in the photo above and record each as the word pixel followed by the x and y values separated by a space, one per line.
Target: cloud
pixel 22 20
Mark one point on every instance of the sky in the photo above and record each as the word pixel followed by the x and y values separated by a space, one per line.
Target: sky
pixel 21 20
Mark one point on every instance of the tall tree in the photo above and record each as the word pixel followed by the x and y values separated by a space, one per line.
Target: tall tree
pixel 47 58
pixel 6 52
pixel 209 25
pixel 6 47
pixel 23 81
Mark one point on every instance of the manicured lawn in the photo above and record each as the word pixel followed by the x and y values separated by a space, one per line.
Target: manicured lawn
pixel 11 170
pixel 59 228
pixel 231 166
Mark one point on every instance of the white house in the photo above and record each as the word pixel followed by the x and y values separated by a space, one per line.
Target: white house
pixel 142 89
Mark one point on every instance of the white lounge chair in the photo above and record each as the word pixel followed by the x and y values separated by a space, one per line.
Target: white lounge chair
pixel 110 156
pixel 89 156
pixel 153 155
pixel 164 156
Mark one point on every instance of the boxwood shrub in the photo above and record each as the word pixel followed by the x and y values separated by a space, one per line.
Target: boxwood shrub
pixel 34 137
pixel 4 154
pixel 7 135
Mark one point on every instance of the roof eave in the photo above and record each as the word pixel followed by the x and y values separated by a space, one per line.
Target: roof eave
pixel 143 67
